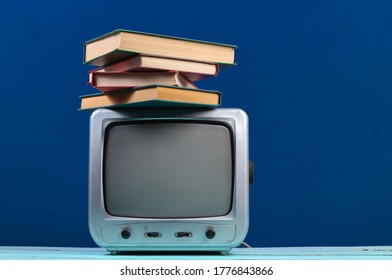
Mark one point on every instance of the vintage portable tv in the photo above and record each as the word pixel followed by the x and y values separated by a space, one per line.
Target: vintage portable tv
pixel 168 179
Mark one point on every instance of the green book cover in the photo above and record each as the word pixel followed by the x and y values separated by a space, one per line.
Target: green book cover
pixel 157 35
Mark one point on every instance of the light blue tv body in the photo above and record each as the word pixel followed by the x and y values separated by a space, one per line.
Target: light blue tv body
pixel 206 233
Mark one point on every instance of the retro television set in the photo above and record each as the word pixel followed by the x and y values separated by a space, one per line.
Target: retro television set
pixel 168 179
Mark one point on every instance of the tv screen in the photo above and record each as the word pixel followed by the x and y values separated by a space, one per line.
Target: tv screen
pixel 168 169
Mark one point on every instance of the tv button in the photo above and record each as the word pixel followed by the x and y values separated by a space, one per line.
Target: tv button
pixel 153 234
pixel 126 233
pixel 183 234
pixel 210 233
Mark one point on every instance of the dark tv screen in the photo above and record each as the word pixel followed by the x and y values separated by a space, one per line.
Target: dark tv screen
pixel 169 169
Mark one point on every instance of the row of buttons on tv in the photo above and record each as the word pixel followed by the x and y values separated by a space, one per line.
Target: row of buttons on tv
pixel 126 233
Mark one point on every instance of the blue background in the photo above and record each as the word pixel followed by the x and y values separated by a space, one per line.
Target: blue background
pixel 315 78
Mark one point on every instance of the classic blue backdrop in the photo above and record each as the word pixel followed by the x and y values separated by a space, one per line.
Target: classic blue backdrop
pixel 314 76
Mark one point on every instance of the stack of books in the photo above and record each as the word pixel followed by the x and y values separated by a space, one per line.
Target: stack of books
pixel 138 69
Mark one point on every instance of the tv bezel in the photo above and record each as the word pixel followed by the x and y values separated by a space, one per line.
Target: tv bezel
pixel 232 228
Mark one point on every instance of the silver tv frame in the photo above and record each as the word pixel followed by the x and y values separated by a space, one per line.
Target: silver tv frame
pixel 221 233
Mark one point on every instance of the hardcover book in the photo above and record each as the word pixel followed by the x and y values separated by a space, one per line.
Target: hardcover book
pixel 152 96
pixel 193 70
pixel 109 81
pixel 120 44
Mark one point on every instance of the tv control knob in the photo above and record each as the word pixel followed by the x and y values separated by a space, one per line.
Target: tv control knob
pixel 126 233
pixel 210 233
